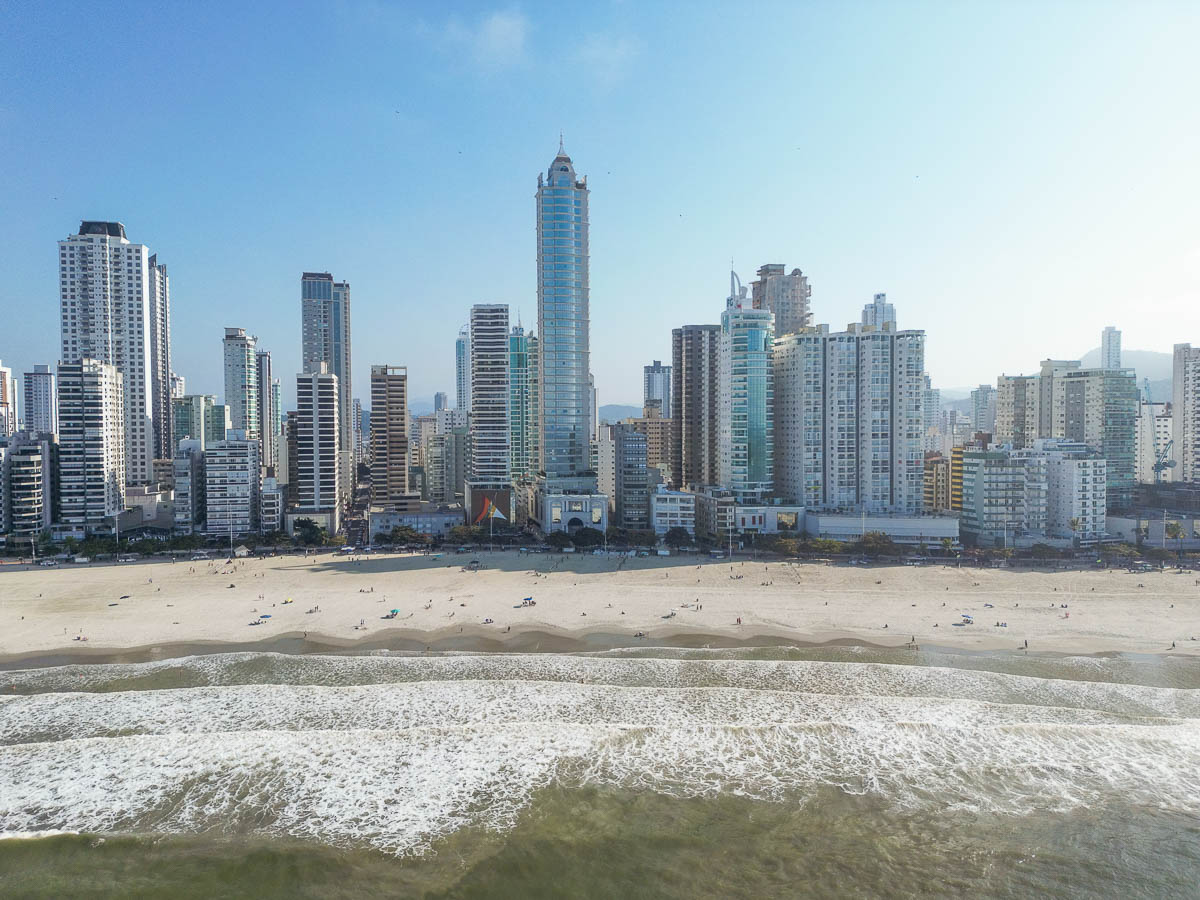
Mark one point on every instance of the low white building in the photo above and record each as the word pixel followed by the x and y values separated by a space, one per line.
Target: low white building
pixel 672 509
pixel 909 530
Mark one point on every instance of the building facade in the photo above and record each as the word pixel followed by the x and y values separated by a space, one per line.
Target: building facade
pixel 489 479
pixel 523 405
pixel 1185 411
pixel 1017 410
pixel 41 401
pixel 29 475
pixel 786 296
pixel 983 409
pixel 1110 348
pixel 389 436
pixel 656 386
pixel 115 309
pixel 694 459
pixel 325 333
pixel 241 381
pixel 232 481
pixel 462 369
pixel 317 473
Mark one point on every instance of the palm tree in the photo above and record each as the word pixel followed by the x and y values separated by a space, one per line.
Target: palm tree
pixel 1074 524
pixel 947 545
pixel 1175 533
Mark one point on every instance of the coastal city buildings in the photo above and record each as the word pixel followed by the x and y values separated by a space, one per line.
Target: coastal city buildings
pixel 745 398
pixel 41 400
pixel 656 386
pixel 489 480
pixel 115 309
pixel 325 338
pixel 785 296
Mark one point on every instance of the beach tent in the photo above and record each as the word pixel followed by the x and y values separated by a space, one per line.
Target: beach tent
pixel 241 551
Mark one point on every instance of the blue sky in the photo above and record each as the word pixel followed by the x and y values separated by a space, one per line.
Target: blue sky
pixel 1014 175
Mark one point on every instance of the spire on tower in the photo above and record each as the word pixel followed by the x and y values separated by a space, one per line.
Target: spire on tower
pixel 561 151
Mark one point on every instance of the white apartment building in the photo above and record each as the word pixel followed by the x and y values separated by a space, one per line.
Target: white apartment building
pixel 745 398
pixel 489 475
pixel 1154 424
pixel 92 443
pixel 270 507
pixel 241 382
pixel 879 313
pixel 232 479
pixel 672 509
pixel 1076 490
pixel 41 401
pixel 1004 496
pixel 115 308
pixel 325 330
pixel 28 463
pixel 849 420
pixel 1185 409
pixel 318 473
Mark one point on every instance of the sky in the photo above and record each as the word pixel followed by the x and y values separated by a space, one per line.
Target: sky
pixel 1015 176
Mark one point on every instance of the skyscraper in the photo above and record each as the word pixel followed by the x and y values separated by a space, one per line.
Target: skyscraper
pixel 786 295
pixel 1110 348
pixel 489 479
pixel 656 380
pixel 879 312
pixel 1018 399
pixel 848 418
pixel 694 425
pixel 389 436
pixel 316 477
pixel 983 409
pixel 439 401
pixel 242 395
pixel 745 398
pixel 462 369
pixel 325 330
pixel 1185 413
pixel 199 418
pixel 267 414
pixel 567 491
pixel 91 444
pixel 522 405
pixel 41 401
pixel 115 308
pixel 233 480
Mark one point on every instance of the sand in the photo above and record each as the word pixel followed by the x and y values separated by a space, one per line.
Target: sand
pixel 148 605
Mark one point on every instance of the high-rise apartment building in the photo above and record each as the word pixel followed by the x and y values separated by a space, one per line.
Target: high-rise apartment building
pixel 439 401
pixel 178 386
pixel 936 483
pixel 1099 409
pixel 187 468
pixel 41 401
pixel 489 479
pixel 389 436
pixel 360 434
pixel 1185 412
pixel 8 402
pixel 879 313
pixel 232 482
pixel 28 484
pixel 268 412
pixel 931 413
pixel 462 369
pixel 523 405
pixel 1017 410
pixel 623 475
pixel 566 493
pixel 787 296
pixel 242 394
pixel 983 409
pixel 1110 348
pixel 694 404
pixel 849 418
pixel 316 477
pixel 198 417
pixel 325 330
pixel 1004 496
pixel 115 308
pixel 656 380
pixel 92 443
pixel 745 398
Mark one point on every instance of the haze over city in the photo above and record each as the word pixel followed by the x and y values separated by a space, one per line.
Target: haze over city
pixel 1015 177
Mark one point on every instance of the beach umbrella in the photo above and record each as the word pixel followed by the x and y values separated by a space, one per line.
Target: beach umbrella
pixel 265 616
pixel 396 611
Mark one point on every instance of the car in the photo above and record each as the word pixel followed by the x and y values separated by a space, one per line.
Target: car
pixel 127 559
pixel 48 562
pixel 199 557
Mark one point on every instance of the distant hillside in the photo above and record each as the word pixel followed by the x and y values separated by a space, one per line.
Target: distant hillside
pixel 1148 363
pixel 615 412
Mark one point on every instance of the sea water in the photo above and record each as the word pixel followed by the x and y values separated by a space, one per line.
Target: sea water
pixel 647 772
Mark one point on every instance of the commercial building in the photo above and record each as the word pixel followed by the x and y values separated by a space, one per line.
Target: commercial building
pixel 786 296
pixel 849 418
pixel 115 309
pixel 916 532
pixel 489 479
pixel 232 481
pixel 656 386
pixel 694 458
pixel 41 401
pixel 1185 411
pixel 325 331
pixel 316 476
pixel 92 443
pixel 745 398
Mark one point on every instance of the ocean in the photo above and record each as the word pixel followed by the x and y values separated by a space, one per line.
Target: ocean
pixel 648 772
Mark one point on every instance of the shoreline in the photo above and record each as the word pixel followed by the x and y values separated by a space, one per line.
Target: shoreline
pixel 342 604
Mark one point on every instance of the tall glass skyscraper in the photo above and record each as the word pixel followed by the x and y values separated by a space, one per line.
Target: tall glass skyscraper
pixel 562 261
pixel 325 338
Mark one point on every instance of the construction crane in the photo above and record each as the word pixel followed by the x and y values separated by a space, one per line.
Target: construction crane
pixel 1162 462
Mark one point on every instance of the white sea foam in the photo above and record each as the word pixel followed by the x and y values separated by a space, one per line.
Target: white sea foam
pixel 395 752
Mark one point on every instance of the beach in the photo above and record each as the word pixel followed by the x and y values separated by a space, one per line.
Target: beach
pixel 584 601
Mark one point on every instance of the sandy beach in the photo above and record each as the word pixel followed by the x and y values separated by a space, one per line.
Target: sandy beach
pixel 342 600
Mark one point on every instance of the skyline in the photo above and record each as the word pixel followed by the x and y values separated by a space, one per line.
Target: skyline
pixel 213 175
